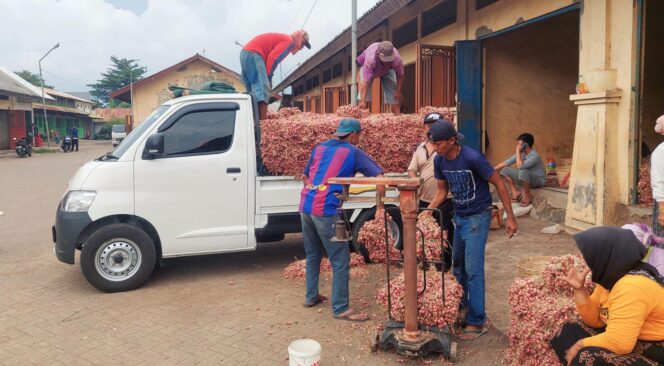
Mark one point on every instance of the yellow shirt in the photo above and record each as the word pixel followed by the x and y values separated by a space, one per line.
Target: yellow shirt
pixel 633 309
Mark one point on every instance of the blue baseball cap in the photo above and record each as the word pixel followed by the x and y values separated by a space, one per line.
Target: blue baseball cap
pixel 443 130
pixel 347 126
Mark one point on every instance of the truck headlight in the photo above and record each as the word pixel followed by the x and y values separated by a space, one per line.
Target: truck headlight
pixel 78 201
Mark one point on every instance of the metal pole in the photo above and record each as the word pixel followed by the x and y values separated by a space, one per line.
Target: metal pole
pixel 41 80
pixel 353 48
pixel 408 206
pixel 131 96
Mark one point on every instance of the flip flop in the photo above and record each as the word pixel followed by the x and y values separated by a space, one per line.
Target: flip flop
pixel 351 316
pixel 320 299
pixel 517 198
pixel 476 333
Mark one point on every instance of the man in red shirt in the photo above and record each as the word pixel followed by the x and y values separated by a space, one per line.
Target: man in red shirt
pixel 259 59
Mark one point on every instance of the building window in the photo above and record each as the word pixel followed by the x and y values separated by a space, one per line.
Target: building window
pixel 479 4
pixel 439 16
pixel 308 85
pixel 405 34
pixel 327 75
pixel 337 70
pixel 315 81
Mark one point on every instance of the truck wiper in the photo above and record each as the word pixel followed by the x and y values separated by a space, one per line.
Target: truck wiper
pixel 107 156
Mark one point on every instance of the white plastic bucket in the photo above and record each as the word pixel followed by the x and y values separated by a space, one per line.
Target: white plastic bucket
pixel 304 352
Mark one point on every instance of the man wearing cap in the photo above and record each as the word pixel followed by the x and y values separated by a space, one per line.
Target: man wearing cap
pixel 422 165
pixel 259 59
pixel 381 60
pixel 466 173
pixel 318 208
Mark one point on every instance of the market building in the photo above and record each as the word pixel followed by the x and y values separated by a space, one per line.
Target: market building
pixel 192 73
pixel 512 66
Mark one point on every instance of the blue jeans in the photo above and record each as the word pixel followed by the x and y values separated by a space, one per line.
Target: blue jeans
pixel 254 75
pixel 470 236
pixel 318 232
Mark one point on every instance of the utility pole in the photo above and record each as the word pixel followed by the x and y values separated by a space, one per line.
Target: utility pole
pixel 353 52
pixel 131 96
pixel 41 80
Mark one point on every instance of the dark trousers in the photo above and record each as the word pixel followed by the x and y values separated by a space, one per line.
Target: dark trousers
pixel 644 353
pixel 74 144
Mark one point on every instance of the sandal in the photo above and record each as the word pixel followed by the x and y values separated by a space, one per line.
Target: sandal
pixel 352 316
pixel 475 333
pixel 517 198
pixel 320 299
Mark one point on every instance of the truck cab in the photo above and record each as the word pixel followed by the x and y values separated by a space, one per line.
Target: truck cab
pixel 187 181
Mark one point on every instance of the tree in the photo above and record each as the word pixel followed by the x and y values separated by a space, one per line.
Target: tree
pixel 31 78
pixel 118 75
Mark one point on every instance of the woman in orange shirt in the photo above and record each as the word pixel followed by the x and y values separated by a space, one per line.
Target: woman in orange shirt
pixel 623 320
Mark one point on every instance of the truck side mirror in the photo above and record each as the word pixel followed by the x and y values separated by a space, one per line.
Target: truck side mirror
pixel 154 146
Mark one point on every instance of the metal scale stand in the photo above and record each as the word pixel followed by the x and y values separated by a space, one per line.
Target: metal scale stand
pixel 408 338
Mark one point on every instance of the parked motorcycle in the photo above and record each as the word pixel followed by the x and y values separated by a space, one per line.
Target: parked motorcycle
pixel 66 144
pixel 23 147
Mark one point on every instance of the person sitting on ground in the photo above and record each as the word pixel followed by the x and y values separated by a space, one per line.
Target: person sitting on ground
pixel 529 172
pixel 623 320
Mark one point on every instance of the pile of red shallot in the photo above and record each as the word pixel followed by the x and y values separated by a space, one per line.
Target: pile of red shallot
pixel 352 111
pixel 538 308
pixel 556 270
pixel 432 311
pixel 288 137
pixel 283 113
pixel 372 236
pixel 643 188
pixel 430 229
pixel 298 269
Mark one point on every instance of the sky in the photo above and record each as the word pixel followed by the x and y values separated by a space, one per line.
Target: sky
pixel 158 33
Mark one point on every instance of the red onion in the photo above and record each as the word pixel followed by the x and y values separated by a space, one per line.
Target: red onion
pixel 431 309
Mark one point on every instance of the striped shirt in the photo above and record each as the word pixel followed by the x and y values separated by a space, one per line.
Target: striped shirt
pixel 332 158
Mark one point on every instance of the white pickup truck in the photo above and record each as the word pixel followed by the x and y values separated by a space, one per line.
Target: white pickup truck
pixel 187 181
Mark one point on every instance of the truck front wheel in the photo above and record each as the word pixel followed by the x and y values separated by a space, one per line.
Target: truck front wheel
pixel 118 257
pixel 394 226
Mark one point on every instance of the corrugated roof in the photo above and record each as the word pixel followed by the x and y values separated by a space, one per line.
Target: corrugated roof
pixel 122 94
pixel 64 95
pixel 368 21
pixel 87 96
pixel 56 108
pixel 14 84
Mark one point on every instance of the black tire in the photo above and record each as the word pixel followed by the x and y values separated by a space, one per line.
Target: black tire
pixel 118 242
pixel 368 215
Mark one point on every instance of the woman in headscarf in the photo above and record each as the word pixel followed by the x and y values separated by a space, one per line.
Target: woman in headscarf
pixel 657 181
pixel 623 319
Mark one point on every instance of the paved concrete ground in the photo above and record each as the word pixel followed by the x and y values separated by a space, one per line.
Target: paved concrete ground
pixel 231 309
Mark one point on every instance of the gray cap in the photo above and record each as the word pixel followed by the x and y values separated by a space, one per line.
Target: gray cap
pixel 386 51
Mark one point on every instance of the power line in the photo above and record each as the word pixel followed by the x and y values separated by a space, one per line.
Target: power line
pixel 310 10
pixel 64 79
pixel 295 16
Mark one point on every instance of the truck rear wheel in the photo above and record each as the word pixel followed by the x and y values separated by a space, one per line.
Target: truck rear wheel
pixel 395 226
pixel 118 257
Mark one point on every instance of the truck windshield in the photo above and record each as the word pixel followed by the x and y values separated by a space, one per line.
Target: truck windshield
pixel 118 128
pixel 138 131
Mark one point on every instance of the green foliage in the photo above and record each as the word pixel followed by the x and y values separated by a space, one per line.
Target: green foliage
pixel 119 74
pixel 32 78
pixel 112 103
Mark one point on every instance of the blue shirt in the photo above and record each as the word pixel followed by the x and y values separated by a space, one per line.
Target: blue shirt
pixel 74 132
pixel 467 177
pixel 332 158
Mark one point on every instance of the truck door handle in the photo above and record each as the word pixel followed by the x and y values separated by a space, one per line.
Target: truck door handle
pixel 233 170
